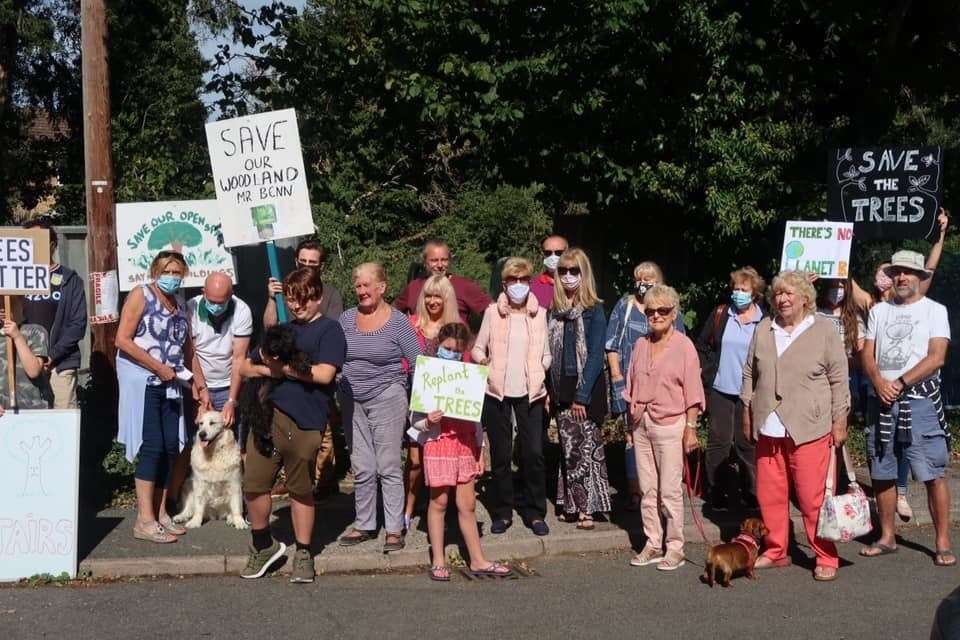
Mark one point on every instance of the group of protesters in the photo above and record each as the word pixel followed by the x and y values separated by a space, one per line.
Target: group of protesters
pixel 777 413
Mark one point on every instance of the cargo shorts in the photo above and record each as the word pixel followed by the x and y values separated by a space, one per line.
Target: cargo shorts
pixel 294 449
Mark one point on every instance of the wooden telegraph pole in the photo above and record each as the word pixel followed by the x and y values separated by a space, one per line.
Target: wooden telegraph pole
pixel 101 225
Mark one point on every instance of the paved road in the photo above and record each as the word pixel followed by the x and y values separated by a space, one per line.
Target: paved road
pixel 572 597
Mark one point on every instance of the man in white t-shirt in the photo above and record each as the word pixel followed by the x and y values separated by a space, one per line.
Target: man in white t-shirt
pixel 220 325
pixel 905 345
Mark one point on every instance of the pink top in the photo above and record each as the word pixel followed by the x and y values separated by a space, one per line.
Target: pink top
pixel 668 388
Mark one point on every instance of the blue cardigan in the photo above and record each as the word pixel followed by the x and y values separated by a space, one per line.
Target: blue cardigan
pixel 595 328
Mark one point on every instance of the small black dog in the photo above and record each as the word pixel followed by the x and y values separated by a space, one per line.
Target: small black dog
pixel 255 406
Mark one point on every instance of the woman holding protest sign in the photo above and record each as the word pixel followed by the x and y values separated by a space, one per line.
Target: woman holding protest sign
pixel 436 307
pixel 153 349
pixel 513 342
pixel 576 331
pixel 382 350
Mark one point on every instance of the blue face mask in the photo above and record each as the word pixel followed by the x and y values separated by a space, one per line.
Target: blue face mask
pixel 446 354
pixel 168 283
pixel 740 299
pixel 214 308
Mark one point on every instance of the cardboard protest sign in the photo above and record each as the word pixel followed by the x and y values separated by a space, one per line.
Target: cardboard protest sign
pixel 887 192
pixel 191 227
pixel 259 177
pixel 39 493
pixel 456 388
pixel 24 261
pixel 818 247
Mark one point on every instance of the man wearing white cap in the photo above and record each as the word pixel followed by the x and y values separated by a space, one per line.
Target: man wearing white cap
pixel 905 346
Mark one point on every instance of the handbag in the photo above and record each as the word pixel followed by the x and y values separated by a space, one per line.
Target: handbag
pixel 847 516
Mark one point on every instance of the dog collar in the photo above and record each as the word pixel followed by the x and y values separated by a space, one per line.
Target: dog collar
pixel 747 541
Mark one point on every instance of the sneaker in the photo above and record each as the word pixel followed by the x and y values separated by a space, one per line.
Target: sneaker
pixel 649 555
pixel 302 572
pixel 499 526
pixel 539 528
pixel 672 561
pixel 259 561
pixel 903 508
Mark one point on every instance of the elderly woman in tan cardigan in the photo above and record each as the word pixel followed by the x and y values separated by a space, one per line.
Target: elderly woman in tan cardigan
pixel 513 342
pixel 795 399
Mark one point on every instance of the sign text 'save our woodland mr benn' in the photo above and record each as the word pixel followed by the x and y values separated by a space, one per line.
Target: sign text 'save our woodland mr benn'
pixel 259 177
pixel 886 192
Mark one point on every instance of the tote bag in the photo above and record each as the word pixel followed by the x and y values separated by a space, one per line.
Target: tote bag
pixel 847 516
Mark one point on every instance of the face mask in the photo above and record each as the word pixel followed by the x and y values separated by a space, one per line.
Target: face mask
pixel 168 283
pixel 214 308
pixel 642 288
pixel 882 282
pixel 517 292
pixel 570 282
pixel 835 296
pixel 740 299
pixel 446 354
pixel 551 262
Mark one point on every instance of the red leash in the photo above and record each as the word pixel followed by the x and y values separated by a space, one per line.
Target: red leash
pixel 694 488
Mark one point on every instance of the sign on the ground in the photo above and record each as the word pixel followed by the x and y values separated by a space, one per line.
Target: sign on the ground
pixel 24 261
pixel 39 493
pixel 817 247
pixel 259 177
pixel 887 192
pixel 190 227
pixel 456 388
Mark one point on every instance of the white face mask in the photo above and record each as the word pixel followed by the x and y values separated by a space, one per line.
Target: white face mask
pixel 836 296
pixel 570 282
pixel 518 291
pixel 551 262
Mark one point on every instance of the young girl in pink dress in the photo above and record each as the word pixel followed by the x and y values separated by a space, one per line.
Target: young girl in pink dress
pixel 452 459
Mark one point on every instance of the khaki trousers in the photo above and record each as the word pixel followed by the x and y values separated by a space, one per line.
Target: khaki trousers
pixel 64 385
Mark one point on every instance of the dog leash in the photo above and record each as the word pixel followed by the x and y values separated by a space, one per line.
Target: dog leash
pixel 693 485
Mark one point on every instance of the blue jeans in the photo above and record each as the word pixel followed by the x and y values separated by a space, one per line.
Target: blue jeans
pixel 218 398
pixel 161 436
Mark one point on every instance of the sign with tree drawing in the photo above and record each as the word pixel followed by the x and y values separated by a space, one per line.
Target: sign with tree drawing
pixel 191 227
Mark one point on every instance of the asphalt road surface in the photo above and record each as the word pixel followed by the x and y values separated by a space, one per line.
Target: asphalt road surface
pixel 589 596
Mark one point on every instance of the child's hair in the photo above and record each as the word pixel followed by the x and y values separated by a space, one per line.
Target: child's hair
pixel 456 330
pixel 280 342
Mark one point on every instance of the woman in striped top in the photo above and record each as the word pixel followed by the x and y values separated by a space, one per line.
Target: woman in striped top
pixel 375 377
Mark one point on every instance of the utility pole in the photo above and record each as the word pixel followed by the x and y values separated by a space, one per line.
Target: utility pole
pixel 101 225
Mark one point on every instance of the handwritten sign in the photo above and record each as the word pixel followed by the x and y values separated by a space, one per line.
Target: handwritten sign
pixel 456 388
pixel 191 227
pixel 24 261
pixel 259 177
pixel 39 493
pixel 887 192
pixel 819 247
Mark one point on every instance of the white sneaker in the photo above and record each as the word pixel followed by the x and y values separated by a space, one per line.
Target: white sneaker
pixel 649 555
pixel 903 508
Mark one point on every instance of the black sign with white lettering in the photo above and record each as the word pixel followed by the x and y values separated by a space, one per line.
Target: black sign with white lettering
pixel 887 192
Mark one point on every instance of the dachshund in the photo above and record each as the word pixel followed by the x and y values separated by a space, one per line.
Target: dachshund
pixel 739 554
pixel 278 343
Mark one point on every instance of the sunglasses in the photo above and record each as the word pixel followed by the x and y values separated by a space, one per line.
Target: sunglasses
pixel 574 271
pixel 547 253
pixel 515 279
pixel 659 311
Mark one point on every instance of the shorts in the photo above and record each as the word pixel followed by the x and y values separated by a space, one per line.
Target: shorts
pixel 451 459
pixel 294 448
pixel 927 453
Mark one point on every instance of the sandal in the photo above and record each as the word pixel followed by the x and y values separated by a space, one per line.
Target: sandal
pixel 585 523
pixel 353 537
pixel 439 573
pixel 945 558
pixel 877 549
pixel 825 574
pixel 493 570
pixel 767 563
pixel 153 533
pixel 171 527
pixel 393 542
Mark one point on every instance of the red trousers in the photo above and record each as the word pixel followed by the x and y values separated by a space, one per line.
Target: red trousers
pixel 782 465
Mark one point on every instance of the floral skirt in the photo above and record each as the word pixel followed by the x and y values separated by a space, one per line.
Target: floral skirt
pixel 582 486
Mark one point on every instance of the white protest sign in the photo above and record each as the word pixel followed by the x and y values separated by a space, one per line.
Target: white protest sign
pixel 190 227
pixel 817 247
pixel 39 493
pixel 259 177
pixel 456 388
pixel 24 261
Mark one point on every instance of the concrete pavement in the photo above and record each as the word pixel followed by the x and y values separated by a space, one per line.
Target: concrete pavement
pixel 108 549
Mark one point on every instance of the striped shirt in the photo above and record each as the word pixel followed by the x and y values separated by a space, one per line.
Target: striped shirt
pixel 375 359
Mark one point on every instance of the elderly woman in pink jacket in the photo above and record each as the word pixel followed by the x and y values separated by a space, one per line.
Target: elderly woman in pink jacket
pixel 513 342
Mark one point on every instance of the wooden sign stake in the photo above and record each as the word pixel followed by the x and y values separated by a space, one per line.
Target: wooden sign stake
pixel 11 355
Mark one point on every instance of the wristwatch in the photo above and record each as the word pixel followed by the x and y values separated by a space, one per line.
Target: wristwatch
pixel 902 382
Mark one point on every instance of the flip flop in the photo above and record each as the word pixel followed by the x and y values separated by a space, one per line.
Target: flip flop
pixel 585 524
pixel 494 570
pixel 945 558
pixel 819 576
pixel 439 574
pixel 880 549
